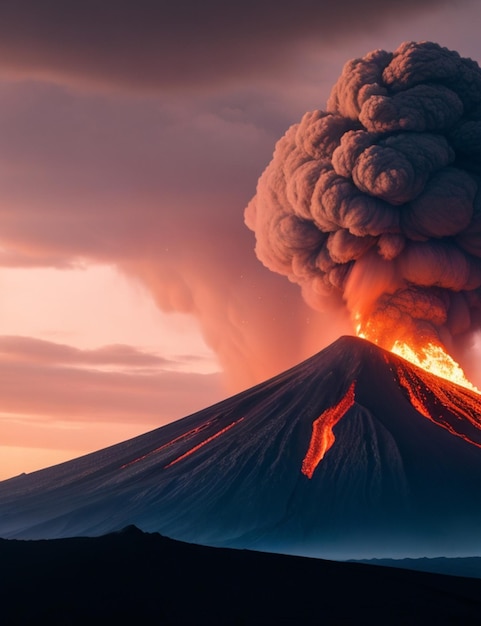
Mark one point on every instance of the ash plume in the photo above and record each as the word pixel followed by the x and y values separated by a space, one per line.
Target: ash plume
pixel 375 203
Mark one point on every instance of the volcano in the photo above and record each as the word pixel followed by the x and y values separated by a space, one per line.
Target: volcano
pixel 354 453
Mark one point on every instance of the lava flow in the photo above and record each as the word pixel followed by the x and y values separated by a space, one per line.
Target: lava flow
pixel 322 437
pixel 203 443
pixel 182 437
pixel 440 402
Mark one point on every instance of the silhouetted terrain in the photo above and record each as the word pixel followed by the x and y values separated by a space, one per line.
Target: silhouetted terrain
pixel 354 453
pixel 136 578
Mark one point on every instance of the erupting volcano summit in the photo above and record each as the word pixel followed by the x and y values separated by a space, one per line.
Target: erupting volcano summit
pixel 353 453
pixel 375 203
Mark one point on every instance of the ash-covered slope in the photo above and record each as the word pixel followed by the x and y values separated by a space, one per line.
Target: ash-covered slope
pixel 352 454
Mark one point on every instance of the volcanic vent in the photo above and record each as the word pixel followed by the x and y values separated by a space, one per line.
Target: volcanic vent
pixel 353 453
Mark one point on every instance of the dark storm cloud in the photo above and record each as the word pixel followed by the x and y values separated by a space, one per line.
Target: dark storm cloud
pixel 183 42
pixel 377 201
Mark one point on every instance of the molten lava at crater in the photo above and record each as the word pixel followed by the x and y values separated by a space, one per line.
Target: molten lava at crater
pixel 428 354
pixel 433 358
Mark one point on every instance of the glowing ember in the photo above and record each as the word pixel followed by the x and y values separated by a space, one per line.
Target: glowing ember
pixel 322 437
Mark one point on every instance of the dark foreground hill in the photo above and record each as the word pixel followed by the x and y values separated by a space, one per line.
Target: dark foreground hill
pixel 354 453
pixel 136 578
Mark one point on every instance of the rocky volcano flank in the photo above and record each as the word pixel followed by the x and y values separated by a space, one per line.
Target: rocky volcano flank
pixel 354 453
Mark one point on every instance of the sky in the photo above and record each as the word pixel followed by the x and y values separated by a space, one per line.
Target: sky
pixel 132 138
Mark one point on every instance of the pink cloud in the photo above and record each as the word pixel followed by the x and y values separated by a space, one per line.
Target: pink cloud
pixel 41 388
pixel 31 350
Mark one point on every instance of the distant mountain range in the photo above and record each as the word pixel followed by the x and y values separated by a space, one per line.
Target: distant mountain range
pixel 352 454
pixel 469 566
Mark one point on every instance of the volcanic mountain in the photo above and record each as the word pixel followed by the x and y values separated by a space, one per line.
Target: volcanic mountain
pixel 354 453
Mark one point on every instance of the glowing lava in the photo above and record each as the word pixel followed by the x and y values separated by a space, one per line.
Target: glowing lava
pixel 322 437
pixel 186 435
pixel 439 402
pixel 435 360
pixel 428 354
pixel 203 443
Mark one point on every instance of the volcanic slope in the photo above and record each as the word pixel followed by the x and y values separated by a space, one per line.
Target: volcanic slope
pixel 354 453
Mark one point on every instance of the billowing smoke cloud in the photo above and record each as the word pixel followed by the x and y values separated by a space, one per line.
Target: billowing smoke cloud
pixel 375 203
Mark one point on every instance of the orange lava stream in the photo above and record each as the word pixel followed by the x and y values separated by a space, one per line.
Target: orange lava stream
pixel 414 393
pixel 189 433
pixel 203 443
pixel 437 401
pixel 322 437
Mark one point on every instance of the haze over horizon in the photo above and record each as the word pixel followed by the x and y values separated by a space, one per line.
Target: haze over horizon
pixel 130 148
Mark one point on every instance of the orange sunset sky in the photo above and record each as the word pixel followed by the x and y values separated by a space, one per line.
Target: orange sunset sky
pixel 132 137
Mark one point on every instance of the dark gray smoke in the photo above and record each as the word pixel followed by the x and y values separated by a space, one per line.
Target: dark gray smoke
pixel 375 203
